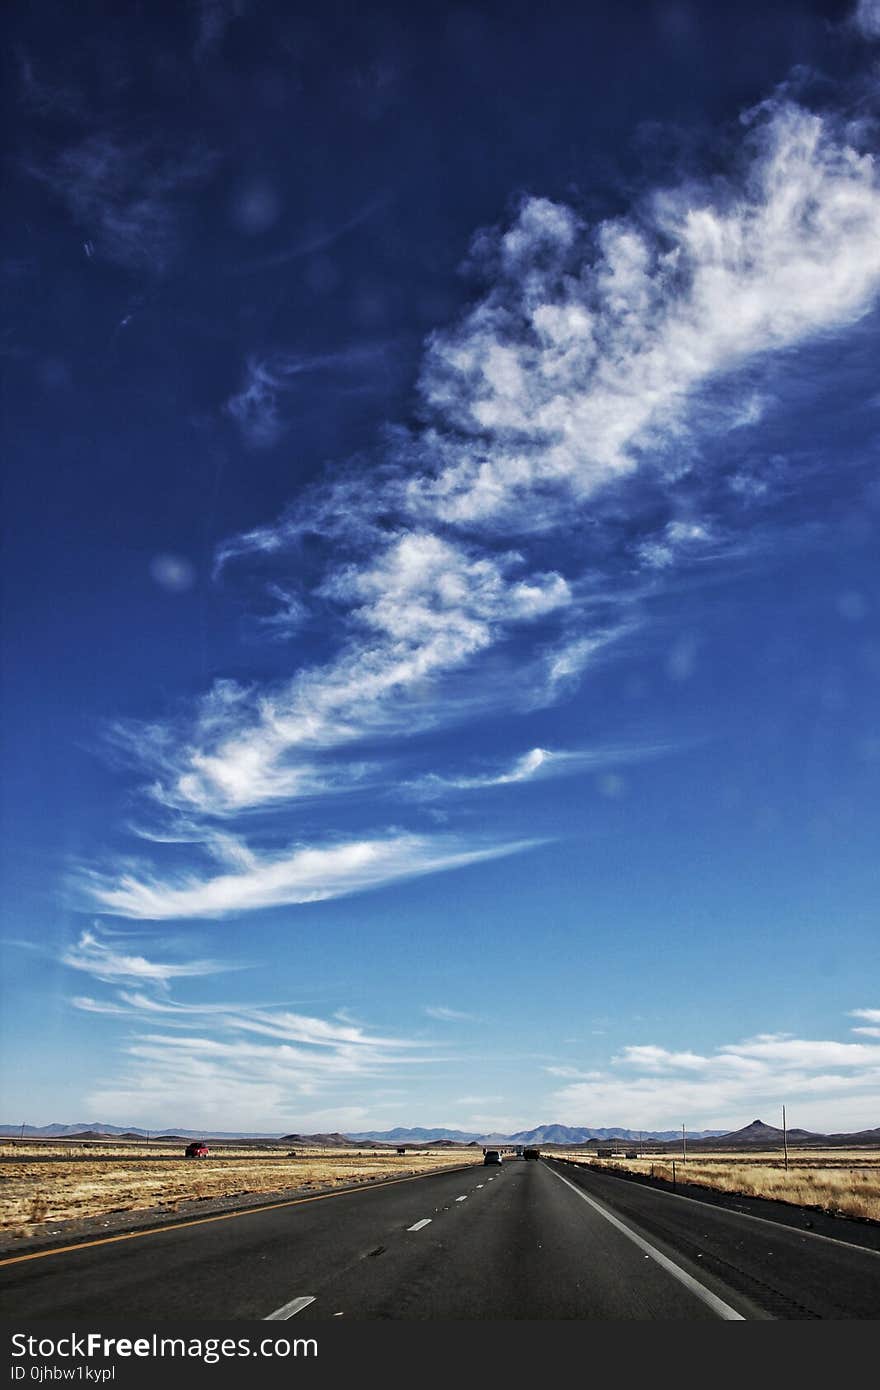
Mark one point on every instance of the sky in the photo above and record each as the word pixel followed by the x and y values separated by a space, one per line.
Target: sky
pixel 441 609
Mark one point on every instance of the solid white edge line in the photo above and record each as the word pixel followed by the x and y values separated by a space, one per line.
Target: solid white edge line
pixel 426 1221
pixel 762 1220
pixel 718 1306
pixel 290 1309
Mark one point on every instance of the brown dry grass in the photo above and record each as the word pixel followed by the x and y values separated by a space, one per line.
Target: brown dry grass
pixel 34 1194
pixel 835 1180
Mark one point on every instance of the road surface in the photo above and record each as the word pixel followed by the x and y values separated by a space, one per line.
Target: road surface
pixel 529 1240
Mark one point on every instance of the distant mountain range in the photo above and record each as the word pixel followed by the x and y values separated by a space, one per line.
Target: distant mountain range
pixel 94 1128
pixel 757 1134
pixel 544 1134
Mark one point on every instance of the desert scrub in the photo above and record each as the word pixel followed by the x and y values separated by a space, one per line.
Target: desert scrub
pixel 852 1188
pixel 67 1189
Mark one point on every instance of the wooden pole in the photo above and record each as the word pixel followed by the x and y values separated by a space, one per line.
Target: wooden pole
pixel 684 1146
pixel 784 1140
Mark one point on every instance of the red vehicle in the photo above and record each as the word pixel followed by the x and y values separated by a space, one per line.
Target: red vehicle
pixel 196 1150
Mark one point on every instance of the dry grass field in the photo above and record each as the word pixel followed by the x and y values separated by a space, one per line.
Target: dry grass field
pixel 835 1180
pixel 75 1182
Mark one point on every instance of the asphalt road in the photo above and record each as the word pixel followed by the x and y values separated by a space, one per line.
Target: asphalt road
pixel 524 1241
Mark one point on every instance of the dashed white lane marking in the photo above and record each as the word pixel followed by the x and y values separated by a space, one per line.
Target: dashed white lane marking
pixel 290 1309
pixel 462 1199
pixel 479 1185
pixel 426 1221
pixel 718 1306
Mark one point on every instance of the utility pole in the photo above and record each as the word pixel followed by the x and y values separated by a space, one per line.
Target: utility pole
pixel 684 1146
pixel 784 1140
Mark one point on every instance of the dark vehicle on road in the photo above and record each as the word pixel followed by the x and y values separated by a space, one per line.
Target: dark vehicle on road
pixel 531 1153
pixel 491 1156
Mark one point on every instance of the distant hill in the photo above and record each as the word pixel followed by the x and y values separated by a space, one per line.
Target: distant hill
pixel 759 1135
pixel 329 1141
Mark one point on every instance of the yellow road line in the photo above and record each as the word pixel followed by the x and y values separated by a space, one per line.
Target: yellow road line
pixel 224 1216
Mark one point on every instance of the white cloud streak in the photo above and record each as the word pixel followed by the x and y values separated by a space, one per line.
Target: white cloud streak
pixel 446 1015
pixel 98 958
pixel 423 608
pixel 535 764
pixel 256 406
pixel 303 875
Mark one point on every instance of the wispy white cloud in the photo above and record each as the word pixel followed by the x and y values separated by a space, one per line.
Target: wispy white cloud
pixel 126 194
pixel 303 875
pixel 45 96
pixel 871 1026
pixel 446 1015
pixel 256 406
pixel 287 617
pixel 309 245
pixel 213 18
pixel 536 763
pixel 866 18
pixel 98 1006
pixel 423 608
pixel 583 360
pixel 100 959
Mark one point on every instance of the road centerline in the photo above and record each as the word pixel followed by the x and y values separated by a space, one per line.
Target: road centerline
pixel 425 1221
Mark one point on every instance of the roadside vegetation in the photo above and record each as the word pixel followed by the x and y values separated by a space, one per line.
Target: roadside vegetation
pixel 842 1181
pixel 74 1183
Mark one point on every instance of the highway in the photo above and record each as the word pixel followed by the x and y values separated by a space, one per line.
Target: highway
pixel 529 1240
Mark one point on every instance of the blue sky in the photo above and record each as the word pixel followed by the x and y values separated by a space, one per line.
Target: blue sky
pixel 440 606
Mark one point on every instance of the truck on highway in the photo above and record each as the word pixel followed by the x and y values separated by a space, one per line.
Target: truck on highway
pixel 531 1153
